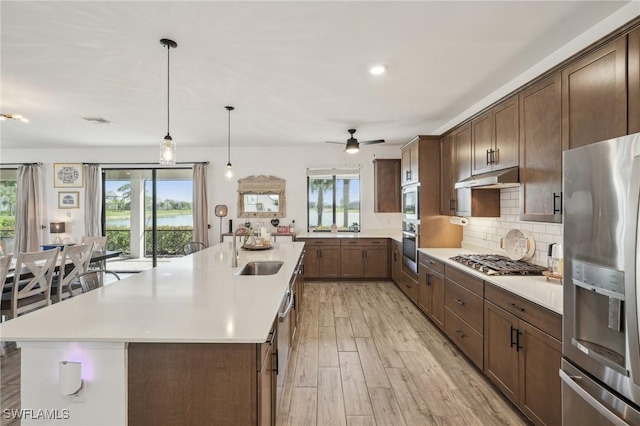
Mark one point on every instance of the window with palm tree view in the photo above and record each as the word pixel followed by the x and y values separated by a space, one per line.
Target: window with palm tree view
pixel 333 198
pixel 129 209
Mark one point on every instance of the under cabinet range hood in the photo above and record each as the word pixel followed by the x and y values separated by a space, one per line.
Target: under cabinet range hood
pixel 506 178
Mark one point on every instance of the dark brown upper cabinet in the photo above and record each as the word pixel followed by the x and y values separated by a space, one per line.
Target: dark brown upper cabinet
pixel 541 151
pixel 495 138
pixel 386 181
pixel 594 96
pixel 410 164
pixel 634 81
pixel 448 165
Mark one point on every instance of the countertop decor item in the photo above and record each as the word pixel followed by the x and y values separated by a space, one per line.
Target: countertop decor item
pixel 168 145
pixel 518 244
pixel 228 174
pixel 221 211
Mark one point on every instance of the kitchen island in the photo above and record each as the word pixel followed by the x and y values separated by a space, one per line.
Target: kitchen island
pixel 177 344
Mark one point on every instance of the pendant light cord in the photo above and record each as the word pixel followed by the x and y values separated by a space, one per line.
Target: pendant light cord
pixel 229 139
pixel 168 71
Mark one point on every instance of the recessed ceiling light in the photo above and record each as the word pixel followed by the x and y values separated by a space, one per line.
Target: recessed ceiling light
pixel 16 117
pixel 378 69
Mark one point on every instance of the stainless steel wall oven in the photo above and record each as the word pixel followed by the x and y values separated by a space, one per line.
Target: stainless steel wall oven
pixel 410 241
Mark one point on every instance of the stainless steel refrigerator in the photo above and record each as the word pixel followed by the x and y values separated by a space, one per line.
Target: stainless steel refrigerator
pixel 601 366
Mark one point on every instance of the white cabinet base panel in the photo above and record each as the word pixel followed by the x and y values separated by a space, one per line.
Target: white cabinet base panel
pixel 102 399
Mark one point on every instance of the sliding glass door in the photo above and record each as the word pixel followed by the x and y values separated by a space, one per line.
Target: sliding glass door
pixel 147 215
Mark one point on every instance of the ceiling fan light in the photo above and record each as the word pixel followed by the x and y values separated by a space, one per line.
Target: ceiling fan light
pixel 167 151
pixel 352 147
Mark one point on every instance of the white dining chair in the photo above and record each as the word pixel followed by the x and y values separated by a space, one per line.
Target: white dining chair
pixel 33 291
pixel 74 261
pixel 99 243
pixel 94 279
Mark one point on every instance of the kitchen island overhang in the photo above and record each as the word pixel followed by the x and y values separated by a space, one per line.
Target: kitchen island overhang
pixel 193 302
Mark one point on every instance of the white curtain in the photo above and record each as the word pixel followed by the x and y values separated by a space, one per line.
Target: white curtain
pixel 27 231
pixel 200 204
pixel 92 200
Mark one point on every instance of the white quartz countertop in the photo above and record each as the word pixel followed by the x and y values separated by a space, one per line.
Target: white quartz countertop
pixel 363 234
pixel 534 288
pixel 195 299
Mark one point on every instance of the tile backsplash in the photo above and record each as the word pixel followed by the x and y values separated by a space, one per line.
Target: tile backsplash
pixel 487 232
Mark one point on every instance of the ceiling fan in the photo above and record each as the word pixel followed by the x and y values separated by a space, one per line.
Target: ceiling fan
pixel 353 145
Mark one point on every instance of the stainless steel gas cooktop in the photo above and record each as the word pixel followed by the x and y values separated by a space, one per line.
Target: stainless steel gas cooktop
pixel 495 264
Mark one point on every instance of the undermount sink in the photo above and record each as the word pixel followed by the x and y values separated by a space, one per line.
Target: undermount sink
pixel 260 268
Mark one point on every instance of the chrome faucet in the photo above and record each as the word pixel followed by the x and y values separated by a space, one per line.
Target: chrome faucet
pixel 235 255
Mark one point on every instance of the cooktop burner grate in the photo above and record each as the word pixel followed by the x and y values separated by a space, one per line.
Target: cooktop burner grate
pixel 495 264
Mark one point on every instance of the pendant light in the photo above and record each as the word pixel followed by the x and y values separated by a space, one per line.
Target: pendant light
pixel 228 174
pixel 168 146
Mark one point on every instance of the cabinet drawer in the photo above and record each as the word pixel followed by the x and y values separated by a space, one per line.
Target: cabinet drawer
pixel 471 283
pixel 430 262
pixel 465 304
pixel 464 336
pixel 321 242
pixel 365 242
pixel 536 315
pixel 409 286
pixel 263 348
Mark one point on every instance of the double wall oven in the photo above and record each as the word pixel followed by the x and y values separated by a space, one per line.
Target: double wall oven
pixel 410 226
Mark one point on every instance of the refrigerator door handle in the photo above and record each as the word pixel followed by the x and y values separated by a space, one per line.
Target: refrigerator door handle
pixel 632 268
pixel 589 399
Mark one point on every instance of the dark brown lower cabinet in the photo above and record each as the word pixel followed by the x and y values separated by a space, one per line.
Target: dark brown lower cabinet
pixel 396 261
pixel 431 294
pixel 197 384
pixel 409 284
pixel 523 362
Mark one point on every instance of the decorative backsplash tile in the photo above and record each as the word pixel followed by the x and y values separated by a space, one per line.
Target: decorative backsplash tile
pixel 487 232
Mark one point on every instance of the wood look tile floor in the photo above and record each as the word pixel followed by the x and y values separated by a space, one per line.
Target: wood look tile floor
pixel 365 355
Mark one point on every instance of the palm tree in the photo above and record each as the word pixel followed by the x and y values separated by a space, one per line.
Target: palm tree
pixel 345 202
pixel 320 185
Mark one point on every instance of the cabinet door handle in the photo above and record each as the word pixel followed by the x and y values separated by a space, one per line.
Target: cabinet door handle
pixel 275 354
pixel 395 256
pixel 428 279
pixel 455 204
pixel 514 306
pixel 320 251
pixel 407 175
pixel 460 334
pixel 511 341
pixel 488 155
pixel 459 302
pixel 557 196
pixel 518 334
pixel 493 155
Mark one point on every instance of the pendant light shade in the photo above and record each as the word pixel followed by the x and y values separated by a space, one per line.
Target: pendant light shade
pixel 228 174
pixel 168 146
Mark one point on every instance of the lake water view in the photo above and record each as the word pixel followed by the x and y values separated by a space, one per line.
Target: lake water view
pixel 177 220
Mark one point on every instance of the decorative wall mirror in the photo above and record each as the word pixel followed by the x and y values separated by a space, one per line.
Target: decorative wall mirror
pixel 261 196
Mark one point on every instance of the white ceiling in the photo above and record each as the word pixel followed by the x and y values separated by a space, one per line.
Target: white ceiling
pixel 297 72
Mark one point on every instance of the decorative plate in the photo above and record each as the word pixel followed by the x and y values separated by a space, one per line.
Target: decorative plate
pixel 252 247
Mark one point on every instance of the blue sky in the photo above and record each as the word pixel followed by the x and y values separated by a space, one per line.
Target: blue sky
pixel 178 190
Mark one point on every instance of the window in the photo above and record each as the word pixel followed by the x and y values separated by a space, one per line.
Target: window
pixel 8 191
pixel 333 196
pixel 129 211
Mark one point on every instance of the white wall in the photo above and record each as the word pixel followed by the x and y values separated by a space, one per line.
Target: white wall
pixel 486 232
pixel 287 163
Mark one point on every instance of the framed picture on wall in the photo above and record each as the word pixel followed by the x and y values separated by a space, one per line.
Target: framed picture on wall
pixel 67 175
pixel 69 200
